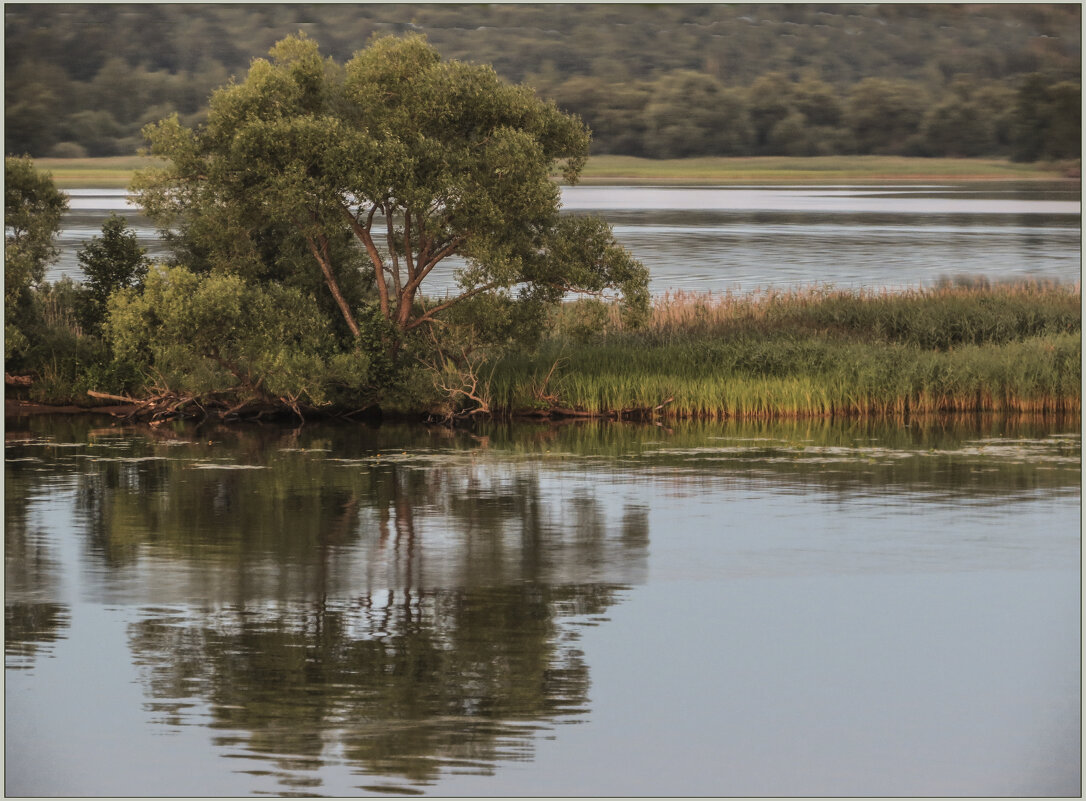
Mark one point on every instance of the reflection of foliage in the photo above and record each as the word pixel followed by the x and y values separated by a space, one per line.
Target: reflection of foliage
pixel 29 625
pixel 407 599
pixel 30 574
pixel 966 456
pixel 312 516
pixel 415 613
pixel 409 682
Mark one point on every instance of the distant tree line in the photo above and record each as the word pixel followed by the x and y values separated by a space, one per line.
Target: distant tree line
pixel 686 113
pixel 657 81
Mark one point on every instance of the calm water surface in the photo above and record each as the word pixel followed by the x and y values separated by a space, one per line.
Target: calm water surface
pixel 733 609
pixel 747 238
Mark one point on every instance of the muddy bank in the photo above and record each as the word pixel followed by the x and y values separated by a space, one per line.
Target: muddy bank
pixel 14 407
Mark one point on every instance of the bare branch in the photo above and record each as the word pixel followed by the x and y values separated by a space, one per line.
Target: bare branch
pixel 460 381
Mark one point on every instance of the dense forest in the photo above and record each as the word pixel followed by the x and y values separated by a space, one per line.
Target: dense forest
pixel 660 81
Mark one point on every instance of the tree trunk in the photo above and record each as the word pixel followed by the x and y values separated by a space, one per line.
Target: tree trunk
pixel 333 285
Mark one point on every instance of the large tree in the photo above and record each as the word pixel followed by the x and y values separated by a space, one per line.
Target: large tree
pixel 415 158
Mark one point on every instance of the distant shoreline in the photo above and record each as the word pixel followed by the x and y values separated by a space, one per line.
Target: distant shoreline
pixel 116 171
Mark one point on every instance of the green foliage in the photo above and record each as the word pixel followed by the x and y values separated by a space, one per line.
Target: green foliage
pixel 32 213
pixel 63 360
pixel 691 114
pixel 1047 122
pixel 203 335
pixel 65 73
pixel 111 263
pixel 414 158
pixel 883 115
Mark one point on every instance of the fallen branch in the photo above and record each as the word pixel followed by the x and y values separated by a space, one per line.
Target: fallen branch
pixel 107 396
pixel 642 412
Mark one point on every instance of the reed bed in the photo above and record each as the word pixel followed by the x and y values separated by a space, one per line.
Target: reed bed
pixel 952 313
pixel 810 352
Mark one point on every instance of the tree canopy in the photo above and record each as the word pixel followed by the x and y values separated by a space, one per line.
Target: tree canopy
pixel 110 263
pixel 415 158
pixel 83 79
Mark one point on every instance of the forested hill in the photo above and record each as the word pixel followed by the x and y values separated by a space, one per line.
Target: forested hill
pixel 662 80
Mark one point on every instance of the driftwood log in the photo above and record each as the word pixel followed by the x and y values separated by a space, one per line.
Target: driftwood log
pixel 221 405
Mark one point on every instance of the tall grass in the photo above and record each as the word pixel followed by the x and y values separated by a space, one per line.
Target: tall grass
pixel 811 353
pixel 941 317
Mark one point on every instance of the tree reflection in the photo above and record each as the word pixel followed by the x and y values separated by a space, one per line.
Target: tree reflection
pixel 32 617
pixel 29 626
pixel 406 618
pixel 403 601
pixel 408 684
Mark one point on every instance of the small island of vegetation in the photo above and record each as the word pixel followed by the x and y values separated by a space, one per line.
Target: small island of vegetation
pixel 306 213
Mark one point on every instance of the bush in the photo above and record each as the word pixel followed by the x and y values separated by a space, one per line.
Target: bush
pixel 220 335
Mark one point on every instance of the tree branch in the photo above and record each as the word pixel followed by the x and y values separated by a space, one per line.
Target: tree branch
pixel 425 270
pixel 407 245
pixel 321 255
pixel 363 234
pixel 429 313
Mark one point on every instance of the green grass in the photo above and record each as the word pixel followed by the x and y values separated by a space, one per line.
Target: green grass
pixel 116 172
pixel 97 173
pixel 815 169
pixel 805 354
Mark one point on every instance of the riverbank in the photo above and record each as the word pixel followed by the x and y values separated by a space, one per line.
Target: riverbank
pixel 815 170
pixel 809 353
pixel 116 172
pixel 1007 349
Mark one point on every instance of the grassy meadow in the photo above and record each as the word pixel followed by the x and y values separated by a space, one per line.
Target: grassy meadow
pixel 814 170
pixel 116 172
pixel 808 353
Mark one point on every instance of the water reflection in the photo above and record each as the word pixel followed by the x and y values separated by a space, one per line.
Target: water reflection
pixel 397 684
pixel 29 628
pixel 317 602
pixel 341 608
pixel 33 617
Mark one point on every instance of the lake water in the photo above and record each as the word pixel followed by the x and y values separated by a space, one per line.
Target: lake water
pixel 747 238
pixel 740 609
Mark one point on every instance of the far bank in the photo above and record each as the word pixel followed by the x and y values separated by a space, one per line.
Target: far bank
pixel 116 172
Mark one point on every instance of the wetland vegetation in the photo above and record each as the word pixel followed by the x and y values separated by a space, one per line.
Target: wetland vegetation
pixel 808 353
pixel 306 217
pixel 773 483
